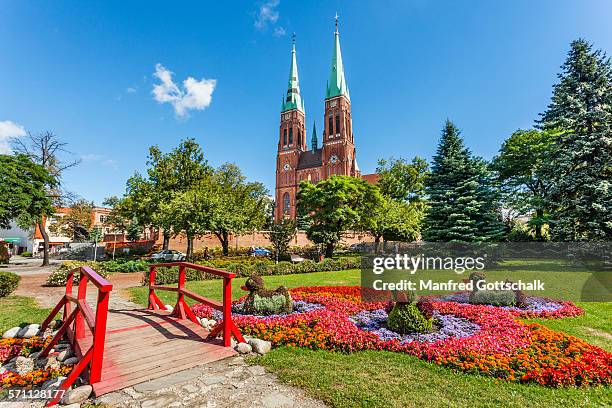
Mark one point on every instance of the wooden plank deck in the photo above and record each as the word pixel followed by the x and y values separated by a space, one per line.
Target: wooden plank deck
pixel 144 344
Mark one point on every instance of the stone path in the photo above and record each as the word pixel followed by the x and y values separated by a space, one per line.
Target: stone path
pixel 225 383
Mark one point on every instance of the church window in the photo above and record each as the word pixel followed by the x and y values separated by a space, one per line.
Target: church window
pixel 299 137
pixel 285 137
pixel 290 136
pixel 337 123
pixel 331 126
pixel 286 203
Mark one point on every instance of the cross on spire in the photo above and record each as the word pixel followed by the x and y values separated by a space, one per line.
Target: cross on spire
pixel 336 18
pixel 293 38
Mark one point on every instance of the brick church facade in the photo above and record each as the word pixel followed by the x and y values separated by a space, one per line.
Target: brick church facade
pixel 297 159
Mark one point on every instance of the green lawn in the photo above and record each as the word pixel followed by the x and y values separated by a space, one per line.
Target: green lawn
pixel 19 311
pixel 386 379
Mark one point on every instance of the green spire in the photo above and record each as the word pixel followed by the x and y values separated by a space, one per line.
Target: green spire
pixel 336 85
pixel 314 141
pixel 293 99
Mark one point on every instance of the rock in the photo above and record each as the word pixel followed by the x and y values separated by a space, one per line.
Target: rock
pixel 277 400
pixel 61 346
pixel 29 331
pixel 65 354
pixel 55 324
pixel 24 365
pixel 256 370
pixel 51 362
pixel 260 346
pixel 77 395
pixel 11 333
pixel 169 308
pixel 71 361
pixel 244 348
pixel 34 356
pixel 53 383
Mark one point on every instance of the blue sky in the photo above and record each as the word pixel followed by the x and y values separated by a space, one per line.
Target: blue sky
pixel 86 70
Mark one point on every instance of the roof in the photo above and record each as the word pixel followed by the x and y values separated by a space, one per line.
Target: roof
pixel 336 85
pixel 310 159
pixel 293 99
pixel 371 178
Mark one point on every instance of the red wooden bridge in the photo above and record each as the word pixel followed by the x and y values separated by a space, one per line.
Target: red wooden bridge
pixel 120 348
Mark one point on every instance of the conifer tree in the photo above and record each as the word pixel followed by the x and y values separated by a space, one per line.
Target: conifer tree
pixel 462 203
pixel 581 163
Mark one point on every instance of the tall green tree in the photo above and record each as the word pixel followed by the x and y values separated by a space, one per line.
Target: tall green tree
pixel 280 235
pixel 77 222
pixel 241 206
pixel 402 180
pixel 520 167
pixel 463 203
pixel 24 187
pixel 336 205
pixel 395 220
pixel 581 165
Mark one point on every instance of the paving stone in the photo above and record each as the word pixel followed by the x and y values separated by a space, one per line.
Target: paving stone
pixel 213 380
pixel 160 401
pixel 256 370
pixel 167 381
pixel 277 400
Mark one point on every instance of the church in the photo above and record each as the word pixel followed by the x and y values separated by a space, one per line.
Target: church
pixel 298 159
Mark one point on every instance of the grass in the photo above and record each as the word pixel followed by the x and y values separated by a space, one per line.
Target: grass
pixel 386 379
pixel 20 311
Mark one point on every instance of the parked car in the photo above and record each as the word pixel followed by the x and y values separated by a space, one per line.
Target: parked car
pixel 168 255
pixel 258 251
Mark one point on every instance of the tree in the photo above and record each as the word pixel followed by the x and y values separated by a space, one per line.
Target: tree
pixel 23 191
pixel 240 206
pixel 520 167
pixel 395 220
pixel 401 180
pixel 133 230
pixel 77 222
pixel 46 149
pixel 280 235
pixel 118 217
pixel 336 205
pixel 463 204
pixel 581 169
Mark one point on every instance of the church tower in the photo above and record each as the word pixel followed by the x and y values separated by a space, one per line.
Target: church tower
pixel 291 144
pixel 338 156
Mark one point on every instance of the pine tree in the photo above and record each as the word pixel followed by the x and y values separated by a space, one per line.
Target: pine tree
pixel 581 165
pixel 462 203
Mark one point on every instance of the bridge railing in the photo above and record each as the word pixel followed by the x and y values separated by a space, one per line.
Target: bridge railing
pixel 182 310
pixel 74 323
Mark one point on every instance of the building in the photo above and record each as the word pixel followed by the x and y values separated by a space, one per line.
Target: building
pixel 297 159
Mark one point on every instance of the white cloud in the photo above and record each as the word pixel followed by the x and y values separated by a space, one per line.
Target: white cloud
pixel 194 95
pixel 91 157
pixel 267 14
pixel 9 130
pixel 98 159
pixel 131 90
pixel 279 31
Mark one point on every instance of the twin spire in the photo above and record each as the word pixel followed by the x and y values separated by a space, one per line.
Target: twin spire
pixel 336 85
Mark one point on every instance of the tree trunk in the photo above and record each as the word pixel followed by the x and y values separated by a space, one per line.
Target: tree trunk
pixel 538 227
pixel 376 243
pixel 45 236
pixel 223 238
pixel 189 254
pixel 166 243
pixel 329 250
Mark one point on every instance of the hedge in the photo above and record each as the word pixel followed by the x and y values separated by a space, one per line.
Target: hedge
pixel 8 282
pixel 59 276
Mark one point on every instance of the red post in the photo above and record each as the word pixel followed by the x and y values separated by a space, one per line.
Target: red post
pixel 79 323
pixel 95 373
pixel 227 311
pixel 180 296
pixel 152 272
pixel 69 282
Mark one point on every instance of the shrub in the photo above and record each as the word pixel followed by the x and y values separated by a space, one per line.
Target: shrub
pixel 125 266
pixel 4 254
pixel 476 277
pixel 165 275
pixel 493 298
pixel 26 254
pixel 8 282
pixel 59 276
pixel 406 318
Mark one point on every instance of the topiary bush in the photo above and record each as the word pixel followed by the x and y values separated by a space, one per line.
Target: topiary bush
pixel 59 276
pixel 26 254
pixel 8 282
pixel 406 318
pixel 493 298
pixel 263 302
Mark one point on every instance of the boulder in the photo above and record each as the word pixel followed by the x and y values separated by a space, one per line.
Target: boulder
pixel 244 348
pixel 24 365
pixel 11 333
pixel 65 354
pixel 29 331
pixel 260 346
pixel 61 346
pixel 77 395
pixel 70 361
pixel 169 308
pixel 53 383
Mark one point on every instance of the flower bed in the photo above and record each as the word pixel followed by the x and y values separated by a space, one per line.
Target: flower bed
pixel 13 347
pixel 475 338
